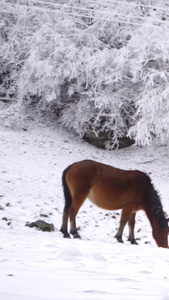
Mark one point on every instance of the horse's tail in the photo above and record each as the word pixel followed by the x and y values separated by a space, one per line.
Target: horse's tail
pixel 66 190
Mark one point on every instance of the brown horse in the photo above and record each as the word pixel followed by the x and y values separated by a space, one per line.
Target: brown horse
pixel 111 188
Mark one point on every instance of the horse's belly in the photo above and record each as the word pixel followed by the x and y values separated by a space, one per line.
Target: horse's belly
pixel 104 201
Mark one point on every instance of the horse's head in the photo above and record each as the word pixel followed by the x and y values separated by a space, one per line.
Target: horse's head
pixel 160 234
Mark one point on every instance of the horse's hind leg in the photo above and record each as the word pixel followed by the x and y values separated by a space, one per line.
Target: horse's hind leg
pixel 65 223
pixel 73 228
pixel 77 202
pixel 131 223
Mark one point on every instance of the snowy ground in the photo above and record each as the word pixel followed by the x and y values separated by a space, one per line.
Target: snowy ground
pixel 36 265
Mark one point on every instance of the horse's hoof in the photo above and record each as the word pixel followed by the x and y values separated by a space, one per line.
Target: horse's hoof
pixel 77 236
pixel 133 242
pixel 66 235
pixel 119 239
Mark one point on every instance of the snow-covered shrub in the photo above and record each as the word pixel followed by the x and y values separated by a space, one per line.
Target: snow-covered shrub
pixel 150 57
pixel 104 66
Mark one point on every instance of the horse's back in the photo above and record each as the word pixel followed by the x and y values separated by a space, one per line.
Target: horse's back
pixel 98 172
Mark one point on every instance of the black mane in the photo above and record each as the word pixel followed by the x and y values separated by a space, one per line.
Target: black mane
pixel 156 205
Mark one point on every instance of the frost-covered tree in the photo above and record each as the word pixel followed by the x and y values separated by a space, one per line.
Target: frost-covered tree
pixel 102 64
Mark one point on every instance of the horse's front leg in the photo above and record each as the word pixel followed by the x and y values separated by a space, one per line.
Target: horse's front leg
pixel 131 223
pixel 124 218
pixel 119 233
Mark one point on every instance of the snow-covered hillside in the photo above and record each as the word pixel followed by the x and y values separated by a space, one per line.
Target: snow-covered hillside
pixel 36 265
